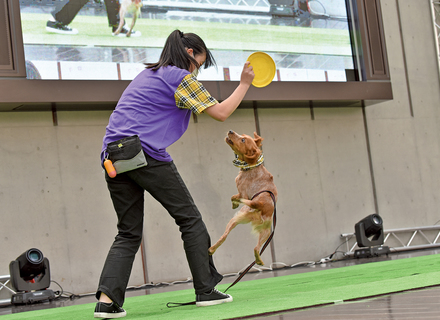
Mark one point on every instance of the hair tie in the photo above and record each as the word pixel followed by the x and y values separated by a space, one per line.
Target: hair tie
pixel 181 34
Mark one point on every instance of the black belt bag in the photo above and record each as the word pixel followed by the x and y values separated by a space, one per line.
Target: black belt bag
pixel 126 154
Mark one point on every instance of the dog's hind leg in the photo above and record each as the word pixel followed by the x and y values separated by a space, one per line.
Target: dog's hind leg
pixel 231 225
pixel 121 21
pixel 240 217
pixel 264 235
pixel 133 21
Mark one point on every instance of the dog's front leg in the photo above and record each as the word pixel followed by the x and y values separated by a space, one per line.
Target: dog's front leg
pixel 235 199
pixel 262 203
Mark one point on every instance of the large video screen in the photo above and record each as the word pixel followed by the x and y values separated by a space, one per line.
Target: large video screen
pixel 309 40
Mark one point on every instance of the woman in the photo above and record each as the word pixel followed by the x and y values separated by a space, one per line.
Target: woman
pixel 157 107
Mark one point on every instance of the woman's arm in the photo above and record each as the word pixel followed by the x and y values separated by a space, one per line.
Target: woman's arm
pixel 221 111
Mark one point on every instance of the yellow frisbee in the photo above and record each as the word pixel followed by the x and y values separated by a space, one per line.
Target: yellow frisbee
pixel 264 68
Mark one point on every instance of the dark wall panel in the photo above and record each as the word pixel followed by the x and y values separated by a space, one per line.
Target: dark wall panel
pixel 6 62
pixel 373 40
pixel 11 44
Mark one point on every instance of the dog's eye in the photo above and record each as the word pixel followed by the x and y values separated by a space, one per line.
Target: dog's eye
pixel 243 140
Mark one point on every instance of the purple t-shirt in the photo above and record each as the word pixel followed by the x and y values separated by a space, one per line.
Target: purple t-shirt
pixel 147 108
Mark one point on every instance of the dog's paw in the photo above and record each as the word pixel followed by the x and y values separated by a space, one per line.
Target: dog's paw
pixel 235 204
pixel 258 258
pixel 211 251
pixel 259 261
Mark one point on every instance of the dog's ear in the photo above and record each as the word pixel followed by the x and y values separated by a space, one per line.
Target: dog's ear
pixel 258 140
pixel 252 156
pixel 252 153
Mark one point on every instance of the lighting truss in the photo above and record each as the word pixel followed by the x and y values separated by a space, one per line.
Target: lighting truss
pixel 404 239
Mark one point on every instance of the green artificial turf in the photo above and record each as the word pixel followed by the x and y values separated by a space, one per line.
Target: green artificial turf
pixel 274 294
pixel 94 31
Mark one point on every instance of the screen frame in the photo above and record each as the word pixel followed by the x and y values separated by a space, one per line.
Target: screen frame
pixel 370 81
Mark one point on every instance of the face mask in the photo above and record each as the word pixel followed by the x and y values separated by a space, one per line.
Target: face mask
pixel 195 73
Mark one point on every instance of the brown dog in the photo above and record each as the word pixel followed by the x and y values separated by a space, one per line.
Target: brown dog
pixel 252 179
pixel 127 6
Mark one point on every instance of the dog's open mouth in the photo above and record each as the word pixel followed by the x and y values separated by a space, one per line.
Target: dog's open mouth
pixel 229 141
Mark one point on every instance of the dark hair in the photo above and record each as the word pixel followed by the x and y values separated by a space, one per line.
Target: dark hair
pixel 174 52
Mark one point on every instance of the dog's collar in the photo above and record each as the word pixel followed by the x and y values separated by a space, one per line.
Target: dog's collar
pixel 243 165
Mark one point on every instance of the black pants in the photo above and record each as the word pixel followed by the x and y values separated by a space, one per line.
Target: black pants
pixel 164 183
pixel 65 12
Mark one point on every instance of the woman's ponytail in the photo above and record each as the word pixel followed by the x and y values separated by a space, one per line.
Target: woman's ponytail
pixel 175 52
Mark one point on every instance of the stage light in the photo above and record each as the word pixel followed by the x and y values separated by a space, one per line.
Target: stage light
pixel 369 233
pixel 30 278
pixel 371 226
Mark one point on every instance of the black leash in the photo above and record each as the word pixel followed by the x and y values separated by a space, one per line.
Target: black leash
pixel 175 304
pixel 249 267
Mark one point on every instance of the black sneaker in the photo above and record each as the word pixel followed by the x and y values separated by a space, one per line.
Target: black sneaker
pixel 212 298
pixel 58 27
pixel 109 311
pixel 124 32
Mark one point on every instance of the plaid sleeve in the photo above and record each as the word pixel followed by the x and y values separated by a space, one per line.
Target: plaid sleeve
pixel 191 94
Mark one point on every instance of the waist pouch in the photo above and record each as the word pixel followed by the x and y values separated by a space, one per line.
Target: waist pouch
pixel 126 154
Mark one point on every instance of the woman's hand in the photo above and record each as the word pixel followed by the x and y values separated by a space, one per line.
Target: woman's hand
pixel 221 111
pixel 247 75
